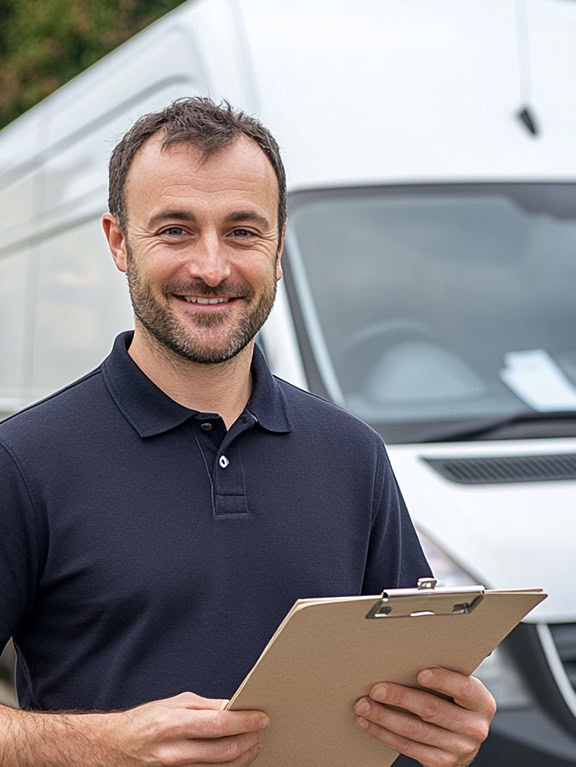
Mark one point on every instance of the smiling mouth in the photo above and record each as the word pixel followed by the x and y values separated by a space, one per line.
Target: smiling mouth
pixel 196 300
pixel 205 301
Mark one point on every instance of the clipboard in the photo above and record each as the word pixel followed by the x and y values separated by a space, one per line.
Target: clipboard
pixel 327 653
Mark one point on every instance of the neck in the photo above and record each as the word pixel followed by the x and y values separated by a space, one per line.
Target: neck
pixel 223 388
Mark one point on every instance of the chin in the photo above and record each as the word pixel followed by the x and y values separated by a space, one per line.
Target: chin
pixel 207 353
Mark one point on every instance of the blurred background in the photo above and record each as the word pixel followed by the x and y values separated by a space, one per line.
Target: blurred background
pixel 44 43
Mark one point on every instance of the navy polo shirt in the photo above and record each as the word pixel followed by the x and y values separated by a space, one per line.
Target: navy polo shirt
pixel 145 550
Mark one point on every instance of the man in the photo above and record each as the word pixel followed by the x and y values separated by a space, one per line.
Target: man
pixel 162 514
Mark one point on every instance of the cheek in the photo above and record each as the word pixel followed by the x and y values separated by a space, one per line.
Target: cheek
pixel 156 265
pixel 263 274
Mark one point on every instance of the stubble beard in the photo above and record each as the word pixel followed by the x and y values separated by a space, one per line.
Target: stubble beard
pixel 160 320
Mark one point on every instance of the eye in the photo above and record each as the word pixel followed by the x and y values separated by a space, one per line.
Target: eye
pixel 243 233
pixel 173 231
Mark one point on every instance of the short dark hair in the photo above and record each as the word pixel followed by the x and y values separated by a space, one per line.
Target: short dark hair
pixel 202 123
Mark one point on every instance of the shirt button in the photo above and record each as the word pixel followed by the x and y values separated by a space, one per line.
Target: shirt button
pixel 206 426
pixel 223 461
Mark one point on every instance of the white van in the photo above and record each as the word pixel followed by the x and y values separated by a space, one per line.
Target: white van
pixel 430 280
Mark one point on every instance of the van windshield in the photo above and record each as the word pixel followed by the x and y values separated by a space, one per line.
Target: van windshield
pixel 430 306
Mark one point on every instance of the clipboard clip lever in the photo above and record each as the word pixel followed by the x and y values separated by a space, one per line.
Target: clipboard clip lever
pixel 427 600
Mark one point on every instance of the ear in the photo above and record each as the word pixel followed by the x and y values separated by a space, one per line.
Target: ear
pixel 280 253
pixel 116 241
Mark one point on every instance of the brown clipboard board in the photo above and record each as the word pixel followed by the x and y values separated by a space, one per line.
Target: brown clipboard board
pixel 327 653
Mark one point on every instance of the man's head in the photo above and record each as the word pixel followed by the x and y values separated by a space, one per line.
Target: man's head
pixel 197 213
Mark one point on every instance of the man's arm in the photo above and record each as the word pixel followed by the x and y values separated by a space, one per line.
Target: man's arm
pixel 434 731
pixel 178 731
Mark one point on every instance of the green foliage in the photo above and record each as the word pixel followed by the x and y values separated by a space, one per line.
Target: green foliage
pixel 44 43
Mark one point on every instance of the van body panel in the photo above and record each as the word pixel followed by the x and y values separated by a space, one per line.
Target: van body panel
pixel 450 69
pixel 509 535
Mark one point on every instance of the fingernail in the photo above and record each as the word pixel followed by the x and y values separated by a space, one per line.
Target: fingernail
pixel 362 723
pixel 362 707
pixel 264 722
pixel 380 692
pixel 425 677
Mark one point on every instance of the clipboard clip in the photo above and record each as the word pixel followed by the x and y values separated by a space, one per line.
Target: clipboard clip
pixel 427 600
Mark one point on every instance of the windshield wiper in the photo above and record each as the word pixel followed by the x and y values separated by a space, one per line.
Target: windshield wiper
pixel 469 430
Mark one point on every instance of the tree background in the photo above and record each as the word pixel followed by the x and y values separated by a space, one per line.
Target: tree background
pixel 44 43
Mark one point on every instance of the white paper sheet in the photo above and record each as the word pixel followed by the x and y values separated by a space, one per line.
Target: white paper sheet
pixel 538 381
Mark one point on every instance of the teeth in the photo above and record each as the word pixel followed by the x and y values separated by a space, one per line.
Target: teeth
pixel 194 300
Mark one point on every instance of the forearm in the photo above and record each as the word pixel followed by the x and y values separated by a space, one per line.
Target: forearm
pixel 179 731
pixel 33 739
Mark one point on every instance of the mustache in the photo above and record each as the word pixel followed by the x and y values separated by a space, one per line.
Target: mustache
pixel 200 288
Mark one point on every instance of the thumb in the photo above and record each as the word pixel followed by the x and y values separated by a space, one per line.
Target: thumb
pixel 197 702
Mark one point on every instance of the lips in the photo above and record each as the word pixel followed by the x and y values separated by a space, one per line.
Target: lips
pixel 198 293
pixel 214 304
pixel 199 300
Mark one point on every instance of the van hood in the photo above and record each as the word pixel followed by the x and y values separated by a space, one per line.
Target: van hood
pixel 507 535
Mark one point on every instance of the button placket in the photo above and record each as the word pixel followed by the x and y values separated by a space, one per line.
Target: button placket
pixel 229 483
pixel 223 454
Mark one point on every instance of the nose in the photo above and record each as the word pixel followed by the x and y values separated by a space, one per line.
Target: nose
pixel 208 261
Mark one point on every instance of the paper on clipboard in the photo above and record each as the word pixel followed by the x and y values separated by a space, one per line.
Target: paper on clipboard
pixel 327 653
pixel 538 381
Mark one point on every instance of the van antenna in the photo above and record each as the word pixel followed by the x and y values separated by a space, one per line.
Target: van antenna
pixel 526 113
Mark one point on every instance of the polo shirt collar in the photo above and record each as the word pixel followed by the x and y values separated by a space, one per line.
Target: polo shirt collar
pixel 150 411
pixel 267 403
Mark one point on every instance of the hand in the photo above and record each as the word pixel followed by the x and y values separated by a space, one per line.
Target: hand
pixel 186 730
pixel 433 731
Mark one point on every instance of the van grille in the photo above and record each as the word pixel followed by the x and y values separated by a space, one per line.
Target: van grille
pixel 564 636
pixel 515 468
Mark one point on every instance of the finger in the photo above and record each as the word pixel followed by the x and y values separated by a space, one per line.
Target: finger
pixel 246 759
pixel 249 757
pixel 433 709
pixel 467 691
pixel 193 701
pixel 414 728
pixel 425 754
pixel 243 761
pixel 210 751
pixel 224 750
pixel 217 724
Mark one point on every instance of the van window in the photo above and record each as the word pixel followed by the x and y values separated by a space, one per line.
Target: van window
pixel 414 296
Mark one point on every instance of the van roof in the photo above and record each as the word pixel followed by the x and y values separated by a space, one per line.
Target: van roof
pixel 413 91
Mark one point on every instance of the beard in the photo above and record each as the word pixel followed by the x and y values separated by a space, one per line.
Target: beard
pixel 185 338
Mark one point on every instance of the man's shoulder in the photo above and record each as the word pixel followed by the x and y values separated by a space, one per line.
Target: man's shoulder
pixel 311 408
pixel 74 402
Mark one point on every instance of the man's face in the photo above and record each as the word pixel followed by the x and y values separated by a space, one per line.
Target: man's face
pixel 202 246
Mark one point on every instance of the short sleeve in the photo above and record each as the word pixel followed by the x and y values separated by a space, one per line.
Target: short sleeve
pixel 395 556
pixel 20 555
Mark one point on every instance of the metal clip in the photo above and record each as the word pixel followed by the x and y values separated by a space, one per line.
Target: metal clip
pixel 426 599
pixel 427 584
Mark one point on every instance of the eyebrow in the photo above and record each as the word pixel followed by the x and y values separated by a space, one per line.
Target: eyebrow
pixel 178 215
pixel 185 215
pixel 248 215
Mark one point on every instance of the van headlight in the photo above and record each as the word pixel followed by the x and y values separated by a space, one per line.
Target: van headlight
pixel 498 671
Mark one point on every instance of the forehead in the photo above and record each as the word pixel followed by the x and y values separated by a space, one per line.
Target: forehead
pixel 235 175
